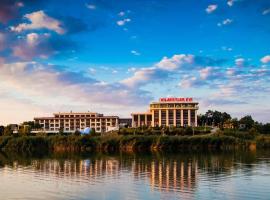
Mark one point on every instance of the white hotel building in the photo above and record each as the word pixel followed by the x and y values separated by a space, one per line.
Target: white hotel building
pixel 70 122
pixel 178 112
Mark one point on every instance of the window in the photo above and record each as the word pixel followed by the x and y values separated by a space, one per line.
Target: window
pixel 156 117
pixel 185 116
pixel 178 118
pixel 192 117
pixel 171 117
pixel 163 118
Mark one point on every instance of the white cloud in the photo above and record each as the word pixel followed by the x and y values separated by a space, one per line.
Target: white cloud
pixel 92 70
pixel 230 71
pixel 20 4
pixel 39 20
pixel 188 82
pixel 91 6
pixel 224 48
pixel 45 85
pixel 240 62
pixel 226 91
pixel 141 77
pixel 265 59
pixel 160 71
pixel 136 53
pixel 175 62
pixel 211 8
pixel 205 72
pixel 230 3
pixel 225 22
pixel 33 45
pixel 121 14
pixel 123 22
pixel 265 12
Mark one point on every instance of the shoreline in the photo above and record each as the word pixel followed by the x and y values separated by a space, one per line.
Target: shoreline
pixel 130 143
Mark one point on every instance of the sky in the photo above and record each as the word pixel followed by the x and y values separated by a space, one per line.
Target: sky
pixel 117 56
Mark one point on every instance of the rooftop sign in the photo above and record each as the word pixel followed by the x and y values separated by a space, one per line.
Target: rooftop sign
pixel 174 99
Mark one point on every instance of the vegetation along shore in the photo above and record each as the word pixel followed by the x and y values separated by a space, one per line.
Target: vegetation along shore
pixel 244 134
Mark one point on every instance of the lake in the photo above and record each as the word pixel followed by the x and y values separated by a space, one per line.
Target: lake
pixel 231 175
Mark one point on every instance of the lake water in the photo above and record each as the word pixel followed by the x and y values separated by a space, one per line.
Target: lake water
pixel 155 176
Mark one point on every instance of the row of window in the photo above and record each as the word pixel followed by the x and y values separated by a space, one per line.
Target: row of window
pixel 173 105
pixel 76 120
pixel 68 129
pixel 73 125
pixel 69 116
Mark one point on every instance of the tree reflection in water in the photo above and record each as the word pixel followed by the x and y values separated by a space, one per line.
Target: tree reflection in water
pixel 165 172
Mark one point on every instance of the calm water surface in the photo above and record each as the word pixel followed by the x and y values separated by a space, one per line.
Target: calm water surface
pixel 157 176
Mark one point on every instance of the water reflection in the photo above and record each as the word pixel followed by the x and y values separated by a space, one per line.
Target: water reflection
pixel 182 175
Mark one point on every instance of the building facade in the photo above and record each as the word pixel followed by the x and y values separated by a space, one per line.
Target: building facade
pixel 70 122
pixel 178 112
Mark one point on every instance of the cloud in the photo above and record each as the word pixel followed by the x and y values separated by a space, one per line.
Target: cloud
pixel 42 45
pixel 121 14
pixel 39 20
pixel 230 2
pixel 91 6
pixel 224 48
pixel 123 22
pixel 145 76
pixel 169 67
pixel 265 59
pixel 266 11
pixel 34 45
pixel 49 84
pixel 205 72
pixel 136 53
pixel 50 81
pixel 211 8
pixel 160 72
pixel 225 22
pixel 175 62
pixel 191 82
pixel 240 62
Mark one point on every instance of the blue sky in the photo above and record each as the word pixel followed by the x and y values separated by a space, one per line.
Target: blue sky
pixel 117 56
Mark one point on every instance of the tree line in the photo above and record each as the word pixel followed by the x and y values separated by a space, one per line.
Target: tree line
pixel 224 120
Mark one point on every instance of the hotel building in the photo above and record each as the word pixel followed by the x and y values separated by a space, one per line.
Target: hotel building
pixel 70 122
pixel 178 112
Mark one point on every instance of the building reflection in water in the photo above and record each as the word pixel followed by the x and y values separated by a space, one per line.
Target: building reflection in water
pixel 162 174
pixel 173 173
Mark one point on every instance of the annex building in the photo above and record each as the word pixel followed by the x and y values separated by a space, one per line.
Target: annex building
pixel 178 112
pixel 70 122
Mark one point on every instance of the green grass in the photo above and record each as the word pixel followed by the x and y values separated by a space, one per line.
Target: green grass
pixel 130 142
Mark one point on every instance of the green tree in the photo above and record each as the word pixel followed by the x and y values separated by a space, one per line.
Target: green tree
pixel 8 130
pixel 61 131
pixel 32 124
pixel 247 121
pixel 2 128
pixel 235 123
pixel 24 130
pixel 77 133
